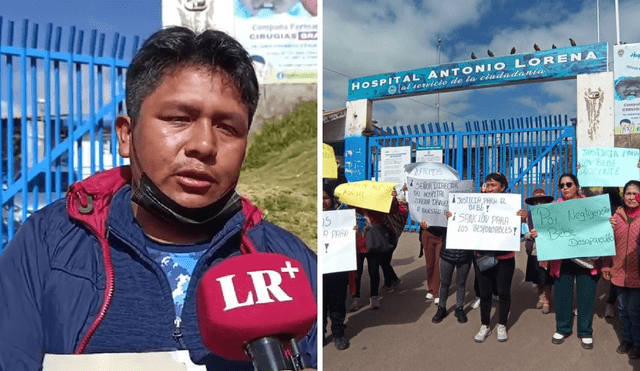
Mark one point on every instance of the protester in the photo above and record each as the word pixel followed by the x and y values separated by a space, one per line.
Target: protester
pixel 622 269
pixel 334 287
pixel 615 202
pixel 450 259
pixel 583 271
pixel 432 240
pixel 87 274
pixel 397 220
pixel 537 271
pixel 502 273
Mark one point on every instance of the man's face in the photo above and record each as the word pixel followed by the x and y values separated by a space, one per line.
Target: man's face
pixel 190 137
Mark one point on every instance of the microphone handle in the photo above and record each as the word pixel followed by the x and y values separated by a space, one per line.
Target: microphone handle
pixel 267 354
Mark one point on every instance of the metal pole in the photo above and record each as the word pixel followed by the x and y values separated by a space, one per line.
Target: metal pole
pixel 617 24
pixel 598 17
pixel 438 95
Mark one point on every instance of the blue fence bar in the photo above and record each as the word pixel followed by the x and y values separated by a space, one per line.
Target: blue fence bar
pixel 58 109
pixel 532 152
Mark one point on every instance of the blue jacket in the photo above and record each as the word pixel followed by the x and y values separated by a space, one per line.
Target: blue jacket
pixel 76 278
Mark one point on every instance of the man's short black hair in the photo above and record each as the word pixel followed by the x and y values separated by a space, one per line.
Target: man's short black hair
pixel 176 47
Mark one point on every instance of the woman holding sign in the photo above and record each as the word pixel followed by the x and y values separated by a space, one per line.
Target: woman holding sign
pixel 622 270
pixel 583 271
pixel 501 270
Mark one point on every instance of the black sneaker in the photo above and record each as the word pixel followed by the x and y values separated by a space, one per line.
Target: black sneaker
pixel 440 314
pixel 624 347
pixel 460 315
pixel 341 343
pixel 634 353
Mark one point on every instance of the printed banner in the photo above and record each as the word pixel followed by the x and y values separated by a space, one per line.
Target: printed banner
pixel 543 65
pixel 329 164
pixel 607 167
pixel 338 247
pixel 574 229
pixel 429 199
pixel 366 194
pixel 429 154
pixel 626 75
pixel 281 37
pixel 484 221
pixel 392 161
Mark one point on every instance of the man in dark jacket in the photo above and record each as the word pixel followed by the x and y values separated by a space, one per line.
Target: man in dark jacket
pixel 114 267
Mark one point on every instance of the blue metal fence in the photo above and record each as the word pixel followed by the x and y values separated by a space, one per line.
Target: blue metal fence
pixel 57 104
pixel 532 152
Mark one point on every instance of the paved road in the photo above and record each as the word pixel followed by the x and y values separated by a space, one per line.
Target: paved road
pixel 401 336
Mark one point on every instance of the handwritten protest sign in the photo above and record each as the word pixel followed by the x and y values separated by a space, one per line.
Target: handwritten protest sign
pixel 431 170
pixel 574 229
pixel 366 194
pixel 484 221
pixel 392 161
pixel 338 247
pixel 429 199
pixel 329 165
pixel 607 167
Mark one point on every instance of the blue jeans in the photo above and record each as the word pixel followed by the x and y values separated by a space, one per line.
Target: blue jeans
pixel 629 307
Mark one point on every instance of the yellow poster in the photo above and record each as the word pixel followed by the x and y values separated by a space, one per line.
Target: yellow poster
pixel 367 194
pixel 329 165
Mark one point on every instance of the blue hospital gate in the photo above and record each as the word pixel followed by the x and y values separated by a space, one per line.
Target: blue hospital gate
pixel 531 152
pixel 59 103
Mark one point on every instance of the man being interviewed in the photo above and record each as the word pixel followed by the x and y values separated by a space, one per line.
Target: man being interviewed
pixel 114 267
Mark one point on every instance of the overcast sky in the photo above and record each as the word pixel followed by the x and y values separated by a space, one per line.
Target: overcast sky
pixel 366 37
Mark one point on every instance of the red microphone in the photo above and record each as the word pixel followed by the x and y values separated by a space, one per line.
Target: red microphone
pixel 253 307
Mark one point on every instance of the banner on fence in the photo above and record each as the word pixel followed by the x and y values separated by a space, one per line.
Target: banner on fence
pixel 574 229
pixel 392 162
pixel 429 154
pixel 429 199
pixel 484 221
pixel 607 167
pixel 366 194
pixel 338 247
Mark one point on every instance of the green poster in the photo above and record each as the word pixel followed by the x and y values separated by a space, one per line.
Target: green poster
pixel 574 229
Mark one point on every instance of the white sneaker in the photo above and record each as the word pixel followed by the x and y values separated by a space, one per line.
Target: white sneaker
pixel 495 297
pixel 429 296
pixel 375 303
pixel 476 303
pixel 502 333
pixel 437 301
pixel 482 334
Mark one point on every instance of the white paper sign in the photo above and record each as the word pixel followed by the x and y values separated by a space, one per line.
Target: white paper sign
pixel 338 247
pixel 429 199
pixel 484 221
pixel 429 154
pixel 392 161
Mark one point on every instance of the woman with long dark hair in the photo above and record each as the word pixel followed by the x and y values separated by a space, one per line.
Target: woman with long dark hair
pixel 622 269
pixel 502 274
pixel 583 271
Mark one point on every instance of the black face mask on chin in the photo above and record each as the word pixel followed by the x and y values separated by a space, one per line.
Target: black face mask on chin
pixel 148 196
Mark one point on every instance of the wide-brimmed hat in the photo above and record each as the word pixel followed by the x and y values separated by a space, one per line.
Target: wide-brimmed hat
pixel 538 195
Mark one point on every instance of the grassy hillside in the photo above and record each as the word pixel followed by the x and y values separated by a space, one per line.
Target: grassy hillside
pixel 280 172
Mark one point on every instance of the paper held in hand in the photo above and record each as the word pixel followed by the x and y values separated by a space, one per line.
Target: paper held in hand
pixel 484 221
pixel 574 229
pixel 429 199
pixel 338 247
